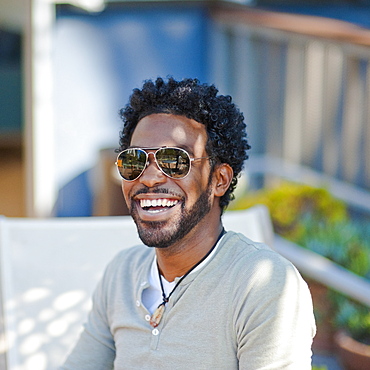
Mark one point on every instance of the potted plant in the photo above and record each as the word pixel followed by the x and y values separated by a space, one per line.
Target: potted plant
pixel 347 244
pixel 352 339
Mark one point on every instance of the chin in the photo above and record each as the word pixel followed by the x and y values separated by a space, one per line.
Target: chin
pixel 155 234
pixel 162 234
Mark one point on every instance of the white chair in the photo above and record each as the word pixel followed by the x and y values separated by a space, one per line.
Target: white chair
pixel 49 269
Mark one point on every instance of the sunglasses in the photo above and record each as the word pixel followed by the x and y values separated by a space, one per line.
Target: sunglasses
pixel 173 162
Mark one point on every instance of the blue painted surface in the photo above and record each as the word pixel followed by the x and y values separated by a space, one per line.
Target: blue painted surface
pixel 140 42
pixel 147 41
pixel 75 199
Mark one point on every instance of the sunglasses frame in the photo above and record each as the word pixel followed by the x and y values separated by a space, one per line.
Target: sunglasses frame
pixel 155 159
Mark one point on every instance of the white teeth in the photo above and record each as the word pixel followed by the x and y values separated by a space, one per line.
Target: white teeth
pixel 155 211
pixel 145 203
pixel 157 202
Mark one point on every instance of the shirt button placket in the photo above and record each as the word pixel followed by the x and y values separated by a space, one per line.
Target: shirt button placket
pixel 155 339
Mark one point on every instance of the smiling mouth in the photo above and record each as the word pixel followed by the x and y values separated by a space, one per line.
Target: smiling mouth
pixel 157 205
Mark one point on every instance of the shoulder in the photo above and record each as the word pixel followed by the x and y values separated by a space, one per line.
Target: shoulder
pixel 262 276
pixel 238 245
pixel 258 263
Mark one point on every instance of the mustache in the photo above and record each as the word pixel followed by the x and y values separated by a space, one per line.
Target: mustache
pixel 146 190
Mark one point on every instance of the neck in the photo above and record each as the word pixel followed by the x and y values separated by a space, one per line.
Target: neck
pixel 177 260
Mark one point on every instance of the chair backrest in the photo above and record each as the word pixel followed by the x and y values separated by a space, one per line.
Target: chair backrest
pixel 49 269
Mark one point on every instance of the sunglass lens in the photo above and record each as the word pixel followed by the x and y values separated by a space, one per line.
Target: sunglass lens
pixel 173 162
pixel 131 163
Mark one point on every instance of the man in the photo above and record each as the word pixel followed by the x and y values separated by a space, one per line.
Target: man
pixel 198 297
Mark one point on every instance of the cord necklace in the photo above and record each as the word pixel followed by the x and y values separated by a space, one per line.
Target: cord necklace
pixel 158 313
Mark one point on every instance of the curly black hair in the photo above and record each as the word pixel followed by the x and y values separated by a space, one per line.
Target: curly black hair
pixel 227 137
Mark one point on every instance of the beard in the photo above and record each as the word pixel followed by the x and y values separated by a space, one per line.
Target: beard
pixel 162 234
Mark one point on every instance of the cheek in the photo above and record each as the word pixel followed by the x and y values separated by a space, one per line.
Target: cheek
pixel 126 190
pixel 196 186
pixel 206 177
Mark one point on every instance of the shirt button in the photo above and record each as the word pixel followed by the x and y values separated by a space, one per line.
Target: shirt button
pixel 147 317
pixel 155 331
pixel 138 303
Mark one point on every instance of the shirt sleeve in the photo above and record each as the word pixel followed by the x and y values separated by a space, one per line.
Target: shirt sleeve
pixel 95 348
pixel 275 322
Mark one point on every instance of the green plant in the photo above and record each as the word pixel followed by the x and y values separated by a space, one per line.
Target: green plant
pixel 351 317
pixel 314 219
pixel 290 202
pixel 343 242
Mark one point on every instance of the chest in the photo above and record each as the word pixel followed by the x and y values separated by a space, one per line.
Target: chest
pixel 197 330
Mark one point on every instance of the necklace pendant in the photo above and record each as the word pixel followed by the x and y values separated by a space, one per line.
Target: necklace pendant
pixel 157 315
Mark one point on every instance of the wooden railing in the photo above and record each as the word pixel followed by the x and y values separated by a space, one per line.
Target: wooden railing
pixel 304 86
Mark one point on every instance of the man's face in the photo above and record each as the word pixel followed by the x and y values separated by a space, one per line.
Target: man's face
pixel 164 209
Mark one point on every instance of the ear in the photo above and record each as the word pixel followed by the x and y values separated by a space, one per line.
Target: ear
pixel 223 176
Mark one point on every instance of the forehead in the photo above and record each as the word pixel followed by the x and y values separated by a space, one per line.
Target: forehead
pixel 169 130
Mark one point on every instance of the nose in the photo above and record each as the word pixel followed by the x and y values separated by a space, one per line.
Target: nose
pixel 152 175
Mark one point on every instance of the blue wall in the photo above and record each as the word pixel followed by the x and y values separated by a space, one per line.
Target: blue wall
pixel 145 41
pixel 99 59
